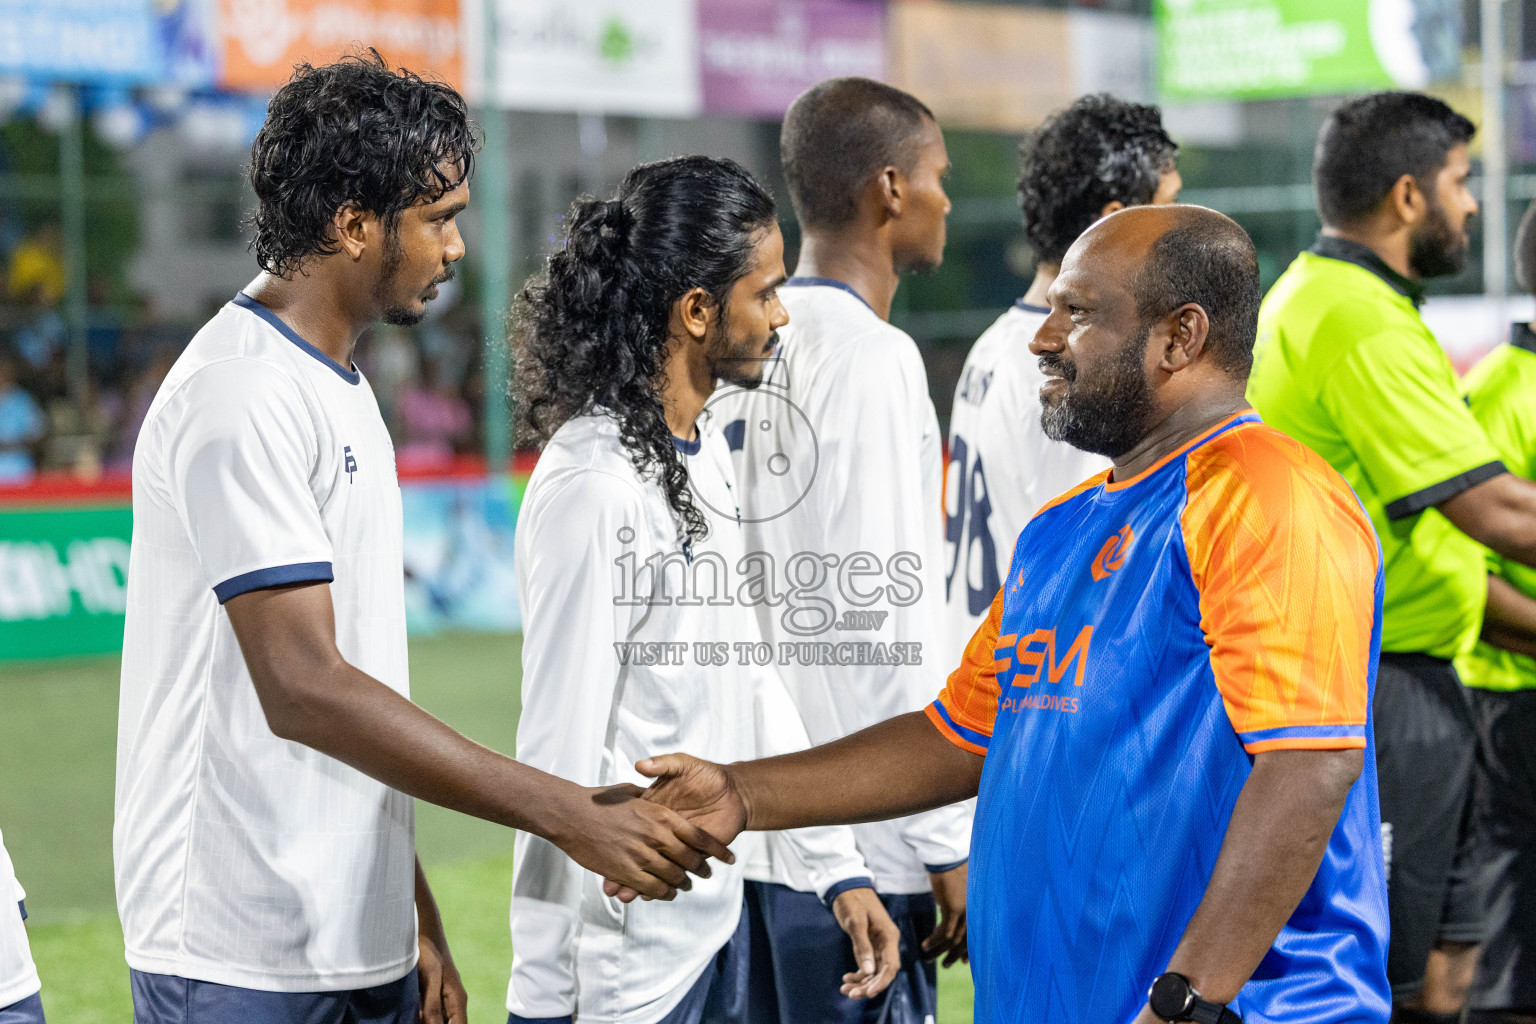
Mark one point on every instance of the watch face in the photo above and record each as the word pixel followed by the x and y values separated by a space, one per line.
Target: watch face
pixel 1170 996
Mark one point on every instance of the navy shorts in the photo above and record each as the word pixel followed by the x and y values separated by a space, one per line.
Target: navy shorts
pixel 800 954
pixel 718 997
pixel 23 1011
pixel 166 999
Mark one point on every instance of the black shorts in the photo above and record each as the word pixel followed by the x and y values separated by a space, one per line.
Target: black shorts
pixel 1506 975
pixel 1426 758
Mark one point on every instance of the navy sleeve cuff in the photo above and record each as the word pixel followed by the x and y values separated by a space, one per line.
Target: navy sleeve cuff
pixel 276 576
pixel 838 888
pixel 22 905
pixel 939 869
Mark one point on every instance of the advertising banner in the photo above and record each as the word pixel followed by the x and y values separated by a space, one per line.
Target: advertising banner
pixel 63 580
pixel 988 67
pixel 756 56
pixel 598 56
pixel 263 39
pixel 115 42
pixel 1253 49
pixel 64 562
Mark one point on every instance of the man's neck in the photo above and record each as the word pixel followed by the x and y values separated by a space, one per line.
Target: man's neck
pixel 1391 246
pixel 315 309
pixel 1176 430
pixel 1039 288
pixel 855 256
pixel 687 386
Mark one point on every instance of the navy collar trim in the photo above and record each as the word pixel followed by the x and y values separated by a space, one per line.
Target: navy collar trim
pixel 1030 307
pixel 1363 256
pixel 687 447
pixel 246 302
pixel 826 282
pixel 1522 336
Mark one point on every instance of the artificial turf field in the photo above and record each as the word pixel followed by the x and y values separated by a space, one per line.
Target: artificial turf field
pixel 58 724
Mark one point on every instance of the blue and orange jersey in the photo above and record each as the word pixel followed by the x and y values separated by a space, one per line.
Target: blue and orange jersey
pixel 1153 635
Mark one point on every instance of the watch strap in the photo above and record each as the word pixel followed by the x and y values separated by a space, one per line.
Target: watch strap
pixel 1206 1012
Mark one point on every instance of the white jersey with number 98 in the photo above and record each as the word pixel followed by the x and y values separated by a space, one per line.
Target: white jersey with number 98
pixel 1001 468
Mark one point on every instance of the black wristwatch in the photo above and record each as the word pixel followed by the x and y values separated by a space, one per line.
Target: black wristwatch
pixel 1173 998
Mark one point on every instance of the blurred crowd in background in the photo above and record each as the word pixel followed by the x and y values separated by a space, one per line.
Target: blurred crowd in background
pixel 427 379
pixel 125 126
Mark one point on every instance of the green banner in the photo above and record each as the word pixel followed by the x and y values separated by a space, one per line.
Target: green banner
pixel 1256 49
pixel 63 580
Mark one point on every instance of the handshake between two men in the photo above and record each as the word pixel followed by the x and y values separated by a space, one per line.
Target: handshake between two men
pixel 895 768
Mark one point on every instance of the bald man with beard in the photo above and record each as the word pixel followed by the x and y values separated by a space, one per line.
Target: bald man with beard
pixel 1166 715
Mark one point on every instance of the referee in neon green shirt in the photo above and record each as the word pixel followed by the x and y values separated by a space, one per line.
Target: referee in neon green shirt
pixel 1345 365
pixel 1501 392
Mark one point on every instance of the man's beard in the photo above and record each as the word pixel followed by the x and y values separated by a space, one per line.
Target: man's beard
pixel 740 364
pixel 395 316
pixel 1109 418
pixel 1436 249
pixel 918 264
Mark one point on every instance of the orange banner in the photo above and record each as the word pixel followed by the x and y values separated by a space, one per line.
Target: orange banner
pixel 263 39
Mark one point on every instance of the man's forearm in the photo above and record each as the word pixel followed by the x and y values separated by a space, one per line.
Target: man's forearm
pixel 1510 618
pixel 359 721
pixel 1500 514
pixel 1275 841
pixel 312 695
pixel 898 767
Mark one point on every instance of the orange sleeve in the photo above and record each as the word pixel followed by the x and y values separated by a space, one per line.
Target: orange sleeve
pixel 1287 566
pixel 967 706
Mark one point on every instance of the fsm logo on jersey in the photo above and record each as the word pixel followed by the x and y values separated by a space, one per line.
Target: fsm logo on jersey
pixel 1023 661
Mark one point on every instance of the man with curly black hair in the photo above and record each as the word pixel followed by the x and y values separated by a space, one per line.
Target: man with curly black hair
pixel 268 750
pixel 1082 164
pixel 657 294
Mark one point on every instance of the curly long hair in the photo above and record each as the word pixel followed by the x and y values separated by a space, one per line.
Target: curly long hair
pixel 590 332
pixel 1080 159
pixel 355 131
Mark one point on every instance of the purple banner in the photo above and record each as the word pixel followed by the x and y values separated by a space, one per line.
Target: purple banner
pixel 758 55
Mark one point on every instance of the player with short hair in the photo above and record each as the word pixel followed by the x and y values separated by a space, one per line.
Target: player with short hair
pixel 268 751
pixel 1346 365
pixel 1500 673
pixel 1083 163
pixel 840 470
pixel 20 1002
pixel 628 522
pixel 1167 711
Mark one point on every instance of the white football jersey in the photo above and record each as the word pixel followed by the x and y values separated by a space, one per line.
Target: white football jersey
pixel 18 975
pixel 839 469
pixel 1002 467
pixel 241 858
pixel 634 646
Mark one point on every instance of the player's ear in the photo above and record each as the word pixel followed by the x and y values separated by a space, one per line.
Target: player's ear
pixel 1187 327
pixel 350 229
pixel 691 314
pixel 891 188
pixel 1407 200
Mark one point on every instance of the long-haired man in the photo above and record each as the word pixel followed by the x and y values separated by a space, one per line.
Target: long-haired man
pixel 633 630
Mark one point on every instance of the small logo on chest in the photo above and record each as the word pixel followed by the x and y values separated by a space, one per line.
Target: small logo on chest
pixel 349 463
pixel 1112 555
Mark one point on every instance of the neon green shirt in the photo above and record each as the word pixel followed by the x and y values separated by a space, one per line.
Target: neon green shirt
pixel 1345 365
pixel 1501 392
